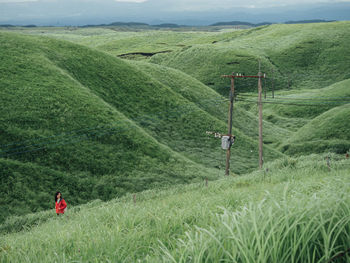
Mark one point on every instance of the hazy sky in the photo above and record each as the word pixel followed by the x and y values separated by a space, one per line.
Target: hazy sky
pixel 197 4
pixel 78 12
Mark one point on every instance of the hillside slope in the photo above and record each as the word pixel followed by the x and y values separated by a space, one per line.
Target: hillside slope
pixel 311 55
pixel 301 55
pixel 195 91
pixel 49 119
pixel 318 119
pixel 297 212
pixel 164 113
pixel 81 112
pixel 316 101
pixel 121 126
pixel 327 132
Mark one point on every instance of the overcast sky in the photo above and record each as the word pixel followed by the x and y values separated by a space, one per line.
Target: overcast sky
pixel 198 4
pixel 77 12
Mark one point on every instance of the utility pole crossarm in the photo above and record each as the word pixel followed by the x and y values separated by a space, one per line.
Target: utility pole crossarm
pixel 243 76
pixel 219 135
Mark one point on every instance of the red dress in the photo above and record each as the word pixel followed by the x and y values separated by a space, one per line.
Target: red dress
pixel 61 206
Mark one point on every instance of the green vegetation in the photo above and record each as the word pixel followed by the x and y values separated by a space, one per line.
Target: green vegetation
pixel 306 56
pixel 86 114
pixel 327 132
pixel 197 92
pixel 106 115
pixel 317 119
pixel 297 56
pixel 316 101
pixel 50 119
pixel 296 212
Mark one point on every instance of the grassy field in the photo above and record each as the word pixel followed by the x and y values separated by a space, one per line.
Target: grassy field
pixel 100 113
pixel 297 211
pixel 305 56
pixel 329 131
pixel 51 121
pixel 76 112
pixel 298 56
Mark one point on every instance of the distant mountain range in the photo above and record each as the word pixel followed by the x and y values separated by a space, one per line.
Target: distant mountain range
pixel 240 23
pixel 158 12
pixel 171 25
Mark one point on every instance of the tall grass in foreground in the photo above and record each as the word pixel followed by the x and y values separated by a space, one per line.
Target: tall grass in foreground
pixel 297 212
pixel 296 229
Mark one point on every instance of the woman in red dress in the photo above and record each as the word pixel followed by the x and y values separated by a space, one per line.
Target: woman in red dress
pixel 60 204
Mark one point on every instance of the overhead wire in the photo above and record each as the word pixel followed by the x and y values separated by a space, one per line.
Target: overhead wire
pixel 293 104
pixel 46 142
pixel 75 136
pixel 298 98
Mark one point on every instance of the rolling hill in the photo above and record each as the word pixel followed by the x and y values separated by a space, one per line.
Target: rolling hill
pixel 305 56
pixel 117 121
pixel 118 112
pixel 317 119
pixel 328 132
pixel 50 120
pixel 295 55
pixel 76 112
pixel 297 212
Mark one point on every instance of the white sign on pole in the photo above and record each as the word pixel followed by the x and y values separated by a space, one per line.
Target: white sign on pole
pixel 225 142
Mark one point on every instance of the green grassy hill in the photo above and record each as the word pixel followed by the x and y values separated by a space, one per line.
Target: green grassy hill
pixel 317 119
pixel 316 101
pixel 305 56
pixel 103 121
pixel 297 212
pixel 51 124
pixel 327 132
pixel 302 55
pixel 116 113
pixel 208 62
pixel 195 91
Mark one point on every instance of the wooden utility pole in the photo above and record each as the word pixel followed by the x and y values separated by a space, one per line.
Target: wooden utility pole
pixel 273 88
pixel 233 76
pixel 260 120
pixel 229 122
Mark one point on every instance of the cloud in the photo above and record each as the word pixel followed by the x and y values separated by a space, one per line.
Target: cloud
pixel 131 1
pixel 16 1
pixel 199 4
pixel 210 5
pixel 81 1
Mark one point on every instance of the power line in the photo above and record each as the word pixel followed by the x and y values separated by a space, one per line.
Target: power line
pixel 298 102
pixel 259 77
pixel 289 103
pixel 347 99
pixel 100 129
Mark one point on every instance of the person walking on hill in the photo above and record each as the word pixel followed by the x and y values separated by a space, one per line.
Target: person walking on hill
pixel 60 204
